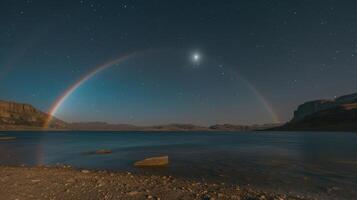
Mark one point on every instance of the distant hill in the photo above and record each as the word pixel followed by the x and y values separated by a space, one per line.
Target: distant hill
pixel 177 127
pixel 232 127
pixel 130 127
pixel 166 127
pixel 338 114
pixel 19 115
pixel 100 126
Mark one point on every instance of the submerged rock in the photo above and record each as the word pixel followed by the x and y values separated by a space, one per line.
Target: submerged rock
pixel 153 162
pixel 103 151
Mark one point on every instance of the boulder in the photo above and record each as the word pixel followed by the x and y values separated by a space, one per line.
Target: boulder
pixel 153 162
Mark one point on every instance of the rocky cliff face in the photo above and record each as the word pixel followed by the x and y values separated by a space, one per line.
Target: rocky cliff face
pixel 339 114
pixel 16 114
pixel 312 107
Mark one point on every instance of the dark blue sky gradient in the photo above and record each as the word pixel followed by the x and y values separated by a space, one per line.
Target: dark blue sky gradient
pixel 290 51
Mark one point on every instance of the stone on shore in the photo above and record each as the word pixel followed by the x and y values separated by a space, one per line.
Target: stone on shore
pixel 153 162
pixel 32 183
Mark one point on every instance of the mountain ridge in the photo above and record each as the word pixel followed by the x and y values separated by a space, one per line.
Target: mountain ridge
pixel 23 116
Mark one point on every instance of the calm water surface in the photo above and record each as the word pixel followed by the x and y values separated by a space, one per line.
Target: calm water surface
pixel 322 165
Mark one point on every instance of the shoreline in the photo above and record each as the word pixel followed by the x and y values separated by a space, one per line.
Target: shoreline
pixel 172 131
pixel 121 130
pixel 166 129
pixel 64 182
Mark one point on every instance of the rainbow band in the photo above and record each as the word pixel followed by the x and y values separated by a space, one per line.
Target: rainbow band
pixel 259 96
pixel 58 103
pixel 60 100
pixel 266 104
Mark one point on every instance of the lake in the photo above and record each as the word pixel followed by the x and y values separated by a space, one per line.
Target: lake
pixel 319 164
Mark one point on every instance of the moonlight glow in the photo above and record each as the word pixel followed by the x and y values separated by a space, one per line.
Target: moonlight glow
pixel 196 57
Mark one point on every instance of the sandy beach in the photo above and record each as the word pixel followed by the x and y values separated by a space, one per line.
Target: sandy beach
pixel 67 183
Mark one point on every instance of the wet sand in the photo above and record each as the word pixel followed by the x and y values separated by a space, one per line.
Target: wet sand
pixel 67 183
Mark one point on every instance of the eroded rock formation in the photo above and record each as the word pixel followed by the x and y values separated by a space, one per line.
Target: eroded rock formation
pixel 17 114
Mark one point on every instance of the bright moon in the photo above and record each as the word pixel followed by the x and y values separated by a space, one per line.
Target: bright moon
pixel 196 57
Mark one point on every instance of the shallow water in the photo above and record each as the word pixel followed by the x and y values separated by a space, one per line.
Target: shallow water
pixel 318 164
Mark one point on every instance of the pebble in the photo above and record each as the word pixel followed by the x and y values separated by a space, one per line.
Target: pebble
pixel 100 183
pixel 71 180
pixel 207 197
pixel 76 185
pixel 132 193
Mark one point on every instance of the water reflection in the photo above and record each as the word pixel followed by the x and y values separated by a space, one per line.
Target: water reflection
pixel 322 164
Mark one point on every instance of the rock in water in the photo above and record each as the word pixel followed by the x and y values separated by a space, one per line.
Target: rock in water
pixel 153 162
pixel 103 151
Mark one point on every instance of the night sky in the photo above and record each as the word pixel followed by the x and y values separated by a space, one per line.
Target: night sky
pixel 201 62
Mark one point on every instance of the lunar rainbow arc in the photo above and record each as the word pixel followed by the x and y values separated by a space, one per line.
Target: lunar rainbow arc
pixel 263 100
pixel 60 100
pixel 269 108
pixel 58 103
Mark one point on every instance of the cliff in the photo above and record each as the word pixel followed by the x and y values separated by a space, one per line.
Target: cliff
pixel 338 114
pixel 18 115
pixel 312 107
